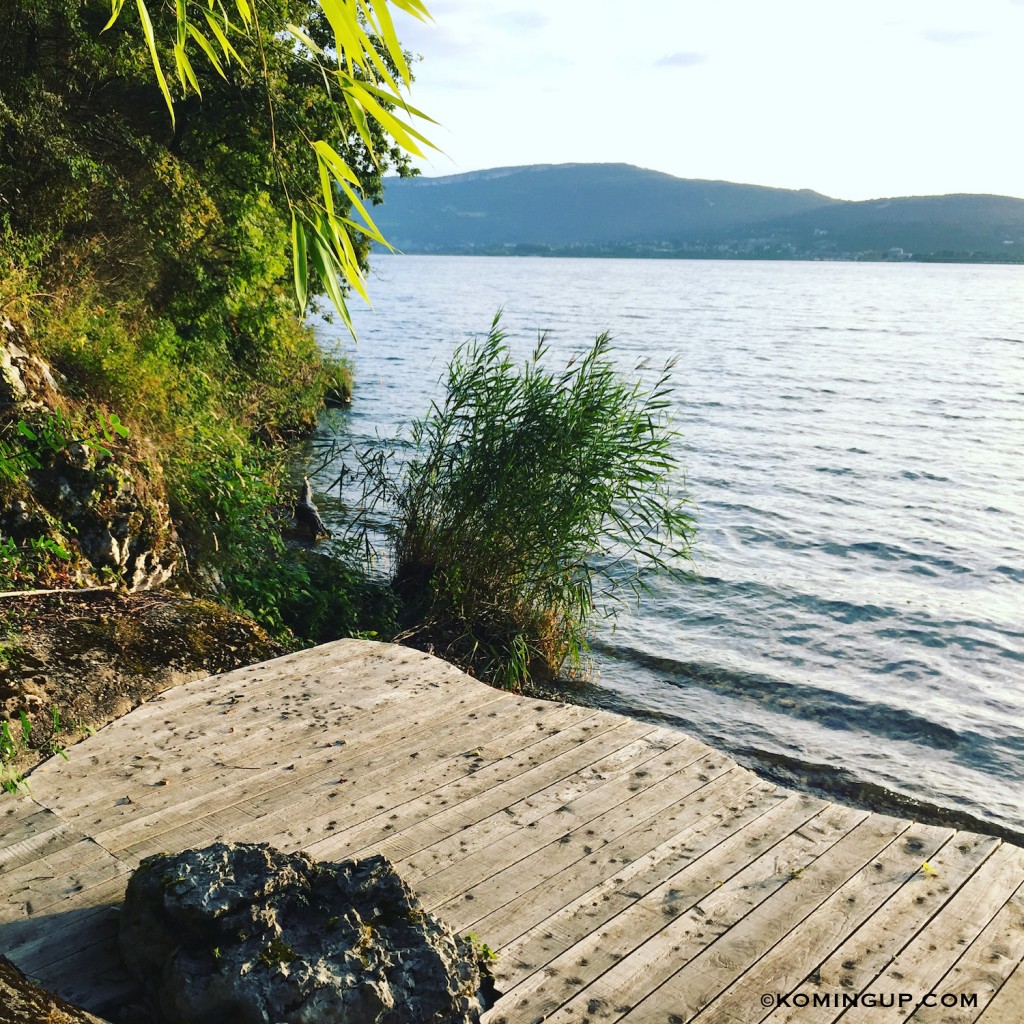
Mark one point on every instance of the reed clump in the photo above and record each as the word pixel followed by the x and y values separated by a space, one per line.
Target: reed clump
pixel 534 494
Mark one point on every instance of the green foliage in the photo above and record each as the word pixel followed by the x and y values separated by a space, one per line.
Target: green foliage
pixel 352 52
pixel 12 742
pixel 196 220
pixel 147 258
pixel 16 738
pixel 531 486
pixel 232 518
pixel 22 447
pixel 340 374
pixel 29 444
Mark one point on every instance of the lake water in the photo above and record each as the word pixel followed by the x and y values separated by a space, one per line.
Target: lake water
pixel 852 439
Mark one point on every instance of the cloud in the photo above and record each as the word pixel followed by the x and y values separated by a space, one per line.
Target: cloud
pixel 681 60
pixel 519 22
pixel 951 37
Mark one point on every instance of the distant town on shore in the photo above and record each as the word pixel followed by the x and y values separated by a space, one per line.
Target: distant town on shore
pixel 618 210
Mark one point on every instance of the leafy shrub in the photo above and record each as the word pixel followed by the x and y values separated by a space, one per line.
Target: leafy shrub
pixel 232 517
pixel 525 476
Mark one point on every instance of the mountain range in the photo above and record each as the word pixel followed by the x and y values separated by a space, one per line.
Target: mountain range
pixel 622 210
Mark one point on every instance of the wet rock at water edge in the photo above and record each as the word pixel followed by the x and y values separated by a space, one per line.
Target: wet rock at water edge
pixel 243 932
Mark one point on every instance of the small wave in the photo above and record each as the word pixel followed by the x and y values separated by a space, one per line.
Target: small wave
pixel 831 783
pixel 909 474
pixel 892 553
pixel 826 707
pixel 829 709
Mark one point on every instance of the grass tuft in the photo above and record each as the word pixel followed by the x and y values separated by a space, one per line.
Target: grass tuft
pixel 536 491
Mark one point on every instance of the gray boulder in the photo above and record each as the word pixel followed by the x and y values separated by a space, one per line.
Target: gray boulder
pixel 247 934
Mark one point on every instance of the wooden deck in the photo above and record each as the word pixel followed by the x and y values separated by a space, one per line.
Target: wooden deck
pixel 623 871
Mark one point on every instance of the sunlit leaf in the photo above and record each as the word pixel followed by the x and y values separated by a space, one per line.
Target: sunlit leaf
pixel 300 263
pixel 115 11
pixel 387 32
pixel 326 265
pixel 147 28
pixel 303 38
pixel 244 11
pixel 338 166
pixel 185 71
pixel 405 135
pixel 225 45
pixel 204 44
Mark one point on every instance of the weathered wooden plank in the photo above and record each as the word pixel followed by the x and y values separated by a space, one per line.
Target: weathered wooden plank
pixel 33 887
pixel 1008 1003
pixel 982 971
pixel 66 925
pixel 257 737
pixel 459 804
pixel 852 966
pixel 574 749
pixel 88 968
pixel 921 965
pixel 235 721
pixel 707 896
pixel 403 757
pixel 688 927
pixel 663 843
pixel 824 928
pixel 713 969
pixel 454 863
pixel 35 835
pixel 437 791
pixel 318 781
pixel 578 832
pixel 16 813
pixel 314 764
pixel 624 870
pixel 351 790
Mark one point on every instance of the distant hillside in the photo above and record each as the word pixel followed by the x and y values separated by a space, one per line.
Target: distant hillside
pixel 618 209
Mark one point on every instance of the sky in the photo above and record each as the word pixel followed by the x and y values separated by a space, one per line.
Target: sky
pixel 857 99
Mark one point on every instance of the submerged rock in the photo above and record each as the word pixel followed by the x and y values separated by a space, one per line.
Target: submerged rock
pixel 246 933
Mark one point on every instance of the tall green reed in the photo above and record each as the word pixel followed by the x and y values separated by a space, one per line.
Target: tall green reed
pixel 535 491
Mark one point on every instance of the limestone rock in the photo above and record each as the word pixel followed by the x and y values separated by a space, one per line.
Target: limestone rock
pixel 21 1002
pixel 108 507
pixel 247 933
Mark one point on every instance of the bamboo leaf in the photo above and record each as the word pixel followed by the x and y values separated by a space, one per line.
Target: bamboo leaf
pixel 325 263
pixel 386 30
pixel 204 44
pixel 304 39
pixel 181 21
pixel 147 28
pixel 185 70
pixel 398 100
pixel 325 186
pixel 225 44
pixel 414 7
pixel 359 120
pixel 244 11
pixel 370 51
pixel 339 168
pixel 300 263
pixel 342 21
pixel 371 229
pixel 115 11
